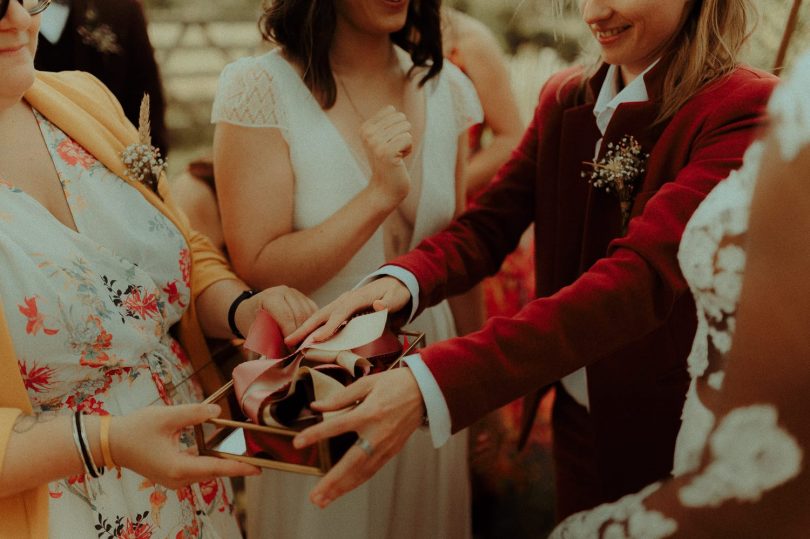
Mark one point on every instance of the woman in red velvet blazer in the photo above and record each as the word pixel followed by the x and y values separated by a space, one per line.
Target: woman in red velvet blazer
pixel 609 300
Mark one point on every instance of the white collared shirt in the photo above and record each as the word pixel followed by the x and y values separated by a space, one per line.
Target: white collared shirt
pixel 576 383
pixel 53 21
pixel 609 99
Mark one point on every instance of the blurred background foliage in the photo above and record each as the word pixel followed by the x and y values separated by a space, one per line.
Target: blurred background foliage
pixel 543 23
pixel 195 39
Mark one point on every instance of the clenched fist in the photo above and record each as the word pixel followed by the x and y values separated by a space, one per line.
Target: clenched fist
pixel 387 140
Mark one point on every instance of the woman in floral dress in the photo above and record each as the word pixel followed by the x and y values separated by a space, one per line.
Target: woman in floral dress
pixel 97 273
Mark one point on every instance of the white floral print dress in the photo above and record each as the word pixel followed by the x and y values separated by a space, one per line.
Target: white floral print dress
pixel 89 313
pixel 727 465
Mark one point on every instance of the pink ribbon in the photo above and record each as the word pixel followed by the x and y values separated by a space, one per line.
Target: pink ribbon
pixel 361 346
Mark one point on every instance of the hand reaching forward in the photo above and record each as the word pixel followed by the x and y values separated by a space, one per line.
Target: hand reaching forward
pixel 384 293
pixel 148 442
pixel 288 307
pixel 391 409
pixel 387 140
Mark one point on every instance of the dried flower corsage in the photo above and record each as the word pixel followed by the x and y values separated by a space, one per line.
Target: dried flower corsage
pixel 143 161
pixel 102 38
pixel 619 172
pixel 99 36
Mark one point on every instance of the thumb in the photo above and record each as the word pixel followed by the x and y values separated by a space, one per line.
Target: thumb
pixel 185 415
pixel 392 302
pixel 343 398
pixel 379 305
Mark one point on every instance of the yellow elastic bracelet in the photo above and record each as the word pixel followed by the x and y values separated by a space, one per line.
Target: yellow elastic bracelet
pixel 104 432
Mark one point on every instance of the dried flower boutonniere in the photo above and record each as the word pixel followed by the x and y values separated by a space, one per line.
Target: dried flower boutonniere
pixel 98 35
pixel 142 160
pixel 619 172
pixel 102 38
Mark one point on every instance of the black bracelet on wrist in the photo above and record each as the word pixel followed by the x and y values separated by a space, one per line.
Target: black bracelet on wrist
pixel 232 312
pixel 80 437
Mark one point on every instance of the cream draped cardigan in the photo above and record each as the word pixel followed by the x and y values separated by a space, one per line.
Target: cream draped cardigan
pixel 86 111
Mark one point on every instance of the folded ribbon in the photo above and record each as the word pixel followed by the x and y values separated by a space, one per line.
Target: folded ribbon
pixel 277 392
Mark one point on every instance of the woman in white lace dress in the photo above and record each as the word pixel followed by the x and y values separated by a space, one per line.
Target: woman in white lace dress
pixel 740 468
pixel 334 153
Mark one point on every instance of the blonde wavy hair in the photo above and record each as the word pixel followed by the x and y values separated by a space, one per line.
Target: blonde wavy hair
pixel 703 51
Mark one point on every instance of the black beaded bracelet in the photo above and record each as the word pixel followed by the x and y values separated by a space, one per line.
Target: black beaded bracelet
pixel 232 312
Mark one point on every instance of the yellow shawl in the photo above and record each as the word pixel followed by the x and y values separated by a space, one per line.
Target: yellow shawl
pixel 86 111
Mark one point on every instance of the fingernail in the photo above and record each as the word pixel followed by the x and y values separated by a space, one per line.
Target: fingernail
pixel 214 409
pixel 321 501
pixel 299 442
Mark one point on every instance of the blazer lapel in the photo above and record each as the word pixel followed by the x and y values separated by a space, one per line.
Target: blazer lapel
pixel 577 141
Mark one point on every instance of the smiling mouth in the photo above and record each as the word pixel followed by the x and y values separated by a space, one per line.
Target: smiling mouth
pixel 605 34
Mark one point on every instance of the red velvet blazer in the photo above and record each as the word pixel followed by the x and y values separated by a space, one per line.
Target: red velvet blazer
pixel 616 304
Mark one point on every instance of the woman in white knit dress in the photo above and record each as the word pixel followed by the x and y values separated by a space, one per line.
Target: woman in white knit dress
pixel 334 153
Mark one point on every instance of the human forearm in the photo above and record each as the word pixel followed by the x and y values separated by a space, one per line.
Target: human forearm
pixel 472 247
pixel 145 441
pixel 287 306
pixel 476 243
pixel 41 449
pixel 306 259
pixel 622 299
pixel 212 308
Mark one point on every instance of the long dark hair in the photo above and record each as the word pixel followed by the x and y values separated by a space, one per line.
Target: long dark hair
pixel 305 30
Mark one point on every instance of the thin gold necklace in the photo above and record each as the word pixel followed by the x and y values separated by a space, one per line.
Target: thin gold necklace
pixel 356 110
pixel 351 101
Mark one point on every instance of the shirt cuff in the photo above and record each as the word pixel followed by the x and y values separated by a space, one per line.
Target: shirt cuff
pixel 406 277
pixel 437 411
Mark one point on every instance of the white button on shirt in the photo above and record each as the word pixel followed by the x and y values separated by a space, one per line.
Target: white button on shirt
pixel 576 383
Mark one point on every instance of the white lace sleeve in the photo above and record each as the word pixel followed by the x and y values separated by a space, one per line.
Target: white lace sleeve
pixel 248 96
pixel 466 104
pixel 749 455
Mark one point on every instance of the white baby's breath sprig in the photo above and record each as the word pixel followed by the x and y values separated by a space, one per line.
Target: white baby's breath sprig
pixel 619 172
pixel 143 161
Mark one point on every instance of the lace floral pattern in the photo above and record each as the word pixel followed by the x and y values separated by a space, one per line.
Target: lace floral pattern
pixel 713 261
pixel 750 455
pixel 248 97
pixel 625 519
